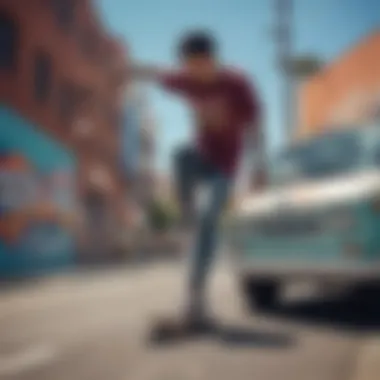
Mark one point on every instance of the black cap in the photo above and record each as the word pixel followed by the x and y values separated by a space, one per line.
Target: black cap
pixel 197 43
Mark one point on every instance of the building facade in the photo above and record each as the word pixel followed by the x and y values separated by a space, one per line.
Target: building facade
pixel 64 74
pixel 346 91
pixel 139 144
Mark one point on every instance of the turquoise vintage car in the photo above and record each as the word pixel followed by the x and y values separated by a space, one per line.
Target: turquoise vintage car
pixel 318 221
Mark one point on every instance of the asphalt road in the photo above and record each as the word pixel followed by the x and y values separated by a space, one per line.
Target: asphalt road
pixel 96 327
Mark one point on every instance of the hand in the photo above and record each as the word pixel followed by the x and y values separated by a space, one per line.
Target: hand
pixel 144 72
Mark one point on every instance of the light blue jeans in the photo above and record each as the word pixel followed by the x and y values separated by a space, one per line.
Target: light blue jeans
pixel 191 170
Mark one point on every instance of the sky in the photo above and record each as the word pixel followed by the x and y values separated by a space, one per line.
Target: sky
pixel 150 28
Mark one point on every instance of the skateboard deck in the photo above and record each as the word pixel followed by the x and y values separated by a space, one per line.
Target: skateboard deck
pixel 166 330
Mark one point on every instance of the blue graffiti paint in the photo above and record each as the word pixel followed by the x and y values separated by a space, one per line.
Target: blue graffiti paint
pixel 41 242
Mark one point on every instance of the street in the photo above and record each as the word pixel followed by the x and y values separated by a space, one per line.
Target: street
pixel 96 327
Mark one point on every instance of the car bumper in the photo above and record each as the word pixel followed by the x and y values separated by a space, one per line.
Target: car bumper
pixel 337 272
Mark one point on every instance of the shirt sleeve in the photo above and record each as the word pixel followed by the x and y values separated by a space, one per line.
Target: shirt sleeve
pixel 173 81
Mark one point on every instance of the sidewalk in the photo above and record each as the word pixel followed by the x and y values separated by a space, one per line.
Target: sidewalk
pixel 368 361
pixel 83 271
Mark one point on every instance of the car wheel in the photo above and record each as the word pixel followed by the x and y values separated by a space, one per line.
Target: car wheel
pixel 260 295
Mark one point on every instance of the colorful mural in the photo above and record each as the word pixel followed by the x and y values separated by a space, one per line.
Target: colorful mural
pixel 37 199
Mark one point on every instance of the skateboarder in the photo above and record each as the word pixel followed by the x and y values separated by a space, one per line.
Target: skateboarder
pixel 227 117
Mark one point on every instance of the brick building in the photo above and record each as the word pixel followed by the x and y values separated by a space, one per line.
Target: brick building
pixel 60 69
pixel 346 91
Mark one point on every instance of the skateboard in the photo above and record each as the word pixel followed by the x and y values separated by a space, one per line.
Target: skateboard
pixel 166 330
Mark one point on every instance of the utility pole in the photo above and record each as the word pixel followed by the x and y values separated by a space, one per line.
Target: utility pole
pixel 284 41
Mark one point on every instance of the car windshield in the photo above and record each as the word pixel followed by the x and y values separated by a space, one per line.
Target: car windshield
pixel 320 158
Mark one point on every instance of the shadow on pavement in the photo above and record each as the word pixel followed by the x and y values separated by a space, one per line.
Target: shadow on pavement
pixel 235 336
pixel 231 336
pixel 339 313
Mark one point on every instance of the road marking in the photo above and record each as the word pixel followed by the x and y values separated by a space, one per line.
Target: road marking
pixel 28 359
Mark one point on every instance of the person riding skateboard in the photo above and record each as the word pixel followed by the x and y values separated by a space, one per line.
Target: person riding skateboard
pixel 227 119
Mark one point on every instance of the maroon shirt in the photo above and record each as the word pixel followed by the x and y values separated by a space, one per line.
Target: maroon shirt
pixel 222 110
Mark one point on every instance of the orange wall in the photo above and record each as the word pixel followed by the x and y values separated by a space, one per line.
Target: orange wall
pixel 343 91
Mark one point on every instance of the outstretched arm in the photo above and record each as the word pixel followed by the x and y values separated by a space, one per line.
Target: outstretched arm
pixel 171 80
pixel 147 73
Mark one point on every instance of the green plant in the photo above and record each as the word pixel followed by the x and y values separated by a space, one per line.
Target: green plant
pixel 161 215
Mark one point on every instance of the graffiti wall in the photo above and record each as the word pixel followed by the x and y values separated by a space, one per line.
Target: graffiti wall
pixel 37 199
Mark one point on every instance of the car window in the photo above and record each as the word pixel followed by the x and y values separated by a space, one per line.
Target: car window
pixel 323 157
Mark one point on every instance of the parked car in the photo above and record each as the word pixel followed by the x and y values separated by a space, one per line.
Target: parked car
pixel 318 221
